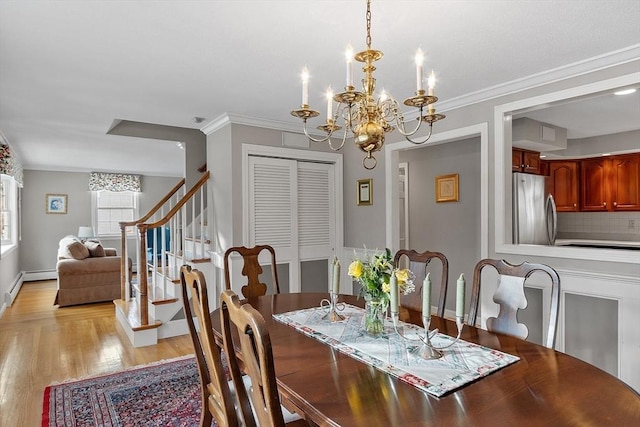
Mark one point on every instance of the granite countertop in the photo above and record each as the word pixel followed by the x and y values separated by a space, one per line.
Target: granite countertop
pixel 621 244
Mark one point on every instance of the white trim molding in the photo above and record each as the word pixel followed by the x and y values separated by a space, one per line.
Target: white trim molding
pixel 626 291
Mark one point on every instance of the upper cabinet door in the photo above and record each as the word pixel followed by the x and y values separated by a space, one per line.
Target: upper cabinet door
pixel 525 161
pixel 594 195
pixel 531 163
pixel 564 185
pixel 516 160
pixel 625 182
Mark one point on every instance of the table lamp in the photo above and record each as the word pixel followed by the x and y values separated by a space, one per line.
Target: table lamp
pixel 85 232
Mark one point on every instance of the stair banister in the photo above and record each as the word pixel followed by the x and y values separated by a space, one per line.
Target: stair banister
pixel 125 291
pixel 175 211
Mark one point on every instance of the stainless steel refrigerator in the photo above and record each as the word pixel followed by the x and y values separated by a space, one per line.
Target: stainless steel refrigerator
pixel 534 210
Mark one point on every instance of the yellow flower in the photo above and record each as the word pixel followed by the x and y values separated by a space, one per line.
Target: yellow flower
pixel 402 276
pixel 355 269
pixel 386 287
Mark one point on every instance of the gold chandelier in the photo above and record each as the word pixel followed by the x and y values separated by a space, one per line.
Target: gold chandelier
pixel 366 118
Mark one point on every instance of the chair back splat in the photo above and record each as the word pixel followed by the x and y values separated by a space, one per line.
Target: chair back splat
pixel 252 270
pixel 510 297
pixel 245 324
pixel 217 399
pixel 418 263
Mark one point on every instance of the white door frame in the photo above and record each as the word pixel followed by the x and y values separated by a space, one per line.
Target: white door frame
pixel 405 166
pixel 302 155
pixel 391 180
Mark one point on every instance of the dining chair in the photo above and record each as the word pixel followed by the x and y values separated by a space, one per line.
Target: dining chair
pixel 418 264
pixel 510 297
pixel 252 270
pixel 217 398
pixel 244 328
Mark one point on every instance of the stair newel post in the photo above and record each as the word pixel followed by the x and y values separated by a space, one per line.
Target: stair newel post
pixel 142 275
pixel 124 265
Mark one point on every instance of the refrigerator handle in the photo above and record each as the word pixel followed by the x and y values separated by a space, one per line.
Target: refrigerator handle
pixel 552 220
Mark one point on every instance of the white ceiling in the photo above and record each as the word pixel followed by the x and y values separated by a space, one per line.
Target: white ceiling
pixel 68 69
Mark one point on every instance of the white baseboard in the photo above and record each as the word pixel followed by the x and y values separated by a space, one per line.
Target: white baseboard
pixel 32 276
pixel 10 297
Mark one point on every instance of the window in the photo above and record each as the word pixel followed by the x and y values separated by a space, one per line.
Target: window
pixel 112 207
pixel 8 209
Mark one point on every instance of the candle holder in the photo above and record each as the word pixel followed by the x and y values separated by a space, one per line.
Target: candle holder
pixel 333 306
pixel 428 351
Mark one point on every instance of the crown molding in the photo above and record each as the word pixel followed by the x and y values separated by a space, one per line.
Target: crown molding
pixel 589 65
pixel 238 119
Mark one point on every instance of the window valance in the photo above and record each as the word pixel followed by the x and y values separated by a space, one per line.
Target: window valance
pixel 9 163
pixel 114 182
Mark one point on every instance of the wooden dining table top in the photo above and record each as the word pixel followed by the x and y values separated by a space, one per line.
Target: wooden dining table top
pixel 545 387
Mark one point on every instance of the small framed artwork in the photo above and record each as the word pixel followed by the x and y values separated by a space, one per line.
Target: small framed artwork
pixel 56 204
pixel 447 188
pixel 365 192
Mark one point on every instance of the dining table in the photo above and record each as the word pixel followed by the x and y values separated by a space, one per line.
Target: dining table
pixel 329 387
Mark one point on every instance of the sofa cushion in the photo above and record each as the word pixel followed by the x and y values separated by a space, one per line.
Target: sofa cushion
pixel 71 247
pixel 95 248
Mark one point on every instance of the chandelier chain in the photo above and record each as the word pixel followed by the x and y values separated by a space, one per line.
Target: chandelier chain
pixel 369 24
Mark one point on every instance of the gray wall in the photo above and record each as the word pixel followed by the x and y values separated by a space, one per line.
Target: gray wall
pixel 41 232
pixel 428 220
pixel 595 146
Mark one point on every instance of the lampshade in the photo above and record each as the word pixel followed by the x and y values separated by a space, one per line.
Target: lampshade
pixel 85 232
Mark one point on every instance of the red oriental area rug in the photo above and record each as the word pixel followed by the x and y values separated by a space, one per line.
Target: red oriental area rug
pixel 166 393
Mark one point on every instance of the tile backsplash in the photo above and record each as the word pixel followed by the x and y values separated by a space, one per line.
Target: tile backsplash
pixel 599 225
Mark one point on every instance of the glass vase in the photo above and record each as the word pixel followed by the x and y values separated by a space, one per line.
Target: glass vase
pixel 375 310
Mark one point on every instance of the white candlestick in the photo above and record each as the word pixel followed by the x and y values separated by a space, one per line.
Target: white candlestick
pixel 393 293
pixel 329 103
pixel 349 57
pixel 460 297
pixel 432 83
pixel 419 60
pixel 305 86
pixel 426 295
pixel 336 276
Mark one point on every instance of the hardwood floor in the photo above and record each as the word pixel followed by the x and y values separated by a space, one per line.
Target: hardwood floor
pixel 41 343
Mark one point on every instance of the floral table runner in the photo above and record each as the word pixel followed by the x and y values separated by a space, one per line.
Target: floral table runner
pixel 462 363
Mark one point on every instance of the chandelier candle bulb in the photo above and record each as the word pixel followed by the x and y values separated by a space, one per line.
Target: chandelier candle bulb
pixel 419 60
pixel 329 104
pixel 336 276
pixel 393 293
pixel 460 296
pixel 426 295
pixel 305 86
pixel 349 57
pixel 432 83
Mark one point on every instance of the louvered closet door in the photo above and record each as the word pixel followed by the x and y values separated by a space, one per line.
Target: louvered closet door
pixel 291 207
pixel 316 211
pixel 272 202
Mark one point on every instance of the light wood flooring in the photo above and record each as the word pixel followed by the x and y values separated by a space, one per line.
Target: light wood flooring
pixel 41 343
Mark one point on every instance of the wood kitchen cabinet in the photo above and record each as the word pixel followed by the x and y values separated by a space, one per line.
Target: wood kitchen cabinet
pixel 525 161
pixel 610 183
pixel 563 179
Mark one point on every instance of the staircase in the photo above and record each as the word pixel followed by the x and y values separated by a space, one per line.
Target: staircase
pixel 173 233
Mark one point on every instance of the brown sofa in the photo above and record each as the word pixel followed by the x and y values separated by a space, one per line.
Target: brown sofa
pixel 87 272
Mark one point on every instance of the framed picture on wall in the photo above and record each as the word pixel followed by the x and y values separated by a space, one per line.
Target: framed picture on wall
pixel 56 203
pixel 447 188
pixel 365 192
